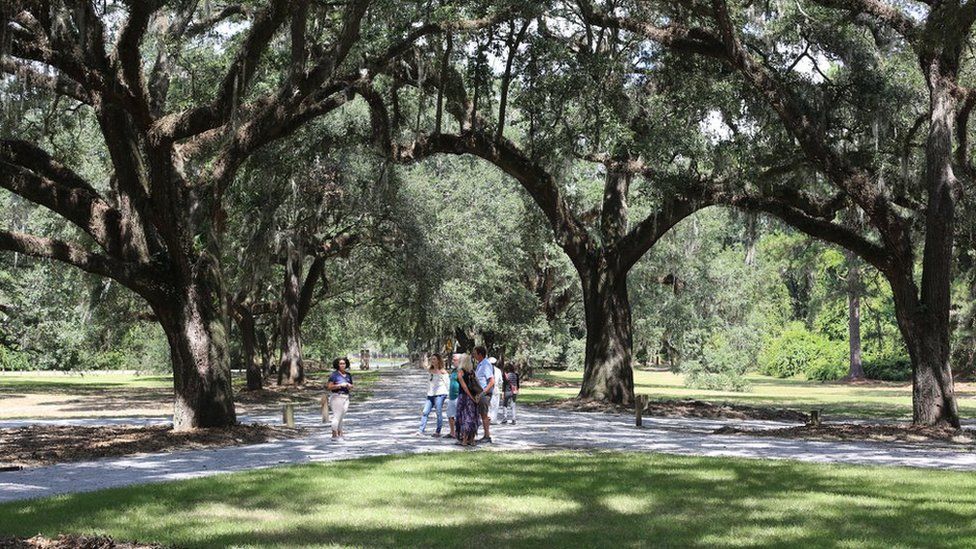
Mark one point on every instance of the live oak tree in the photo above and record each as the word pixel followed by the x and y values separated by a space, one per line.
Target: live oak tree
pixel 600 241
pixel 155 224
pixel 749 42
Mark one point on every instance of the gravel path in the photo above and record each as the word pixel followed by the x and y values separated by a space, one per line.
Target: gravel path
pixel 386 423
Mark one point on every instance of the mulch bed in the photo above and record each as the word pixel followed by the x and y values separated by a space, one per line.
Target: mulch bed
pixel 46 444
pixel 540 382
pixel 863 432
pixel 71 542
pixel 681 408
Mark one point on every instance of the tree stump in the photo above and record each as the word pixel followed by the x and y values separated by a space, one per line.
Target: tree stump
pixel 288 415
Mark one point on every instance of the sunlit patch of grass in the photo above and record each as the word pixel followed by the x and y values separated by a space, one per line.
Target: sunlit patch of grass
pixel 33 382
pixel 529 499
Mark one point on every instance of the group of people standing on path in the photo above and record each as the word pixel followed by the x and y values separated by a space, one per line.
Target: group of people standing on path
pixel 473 388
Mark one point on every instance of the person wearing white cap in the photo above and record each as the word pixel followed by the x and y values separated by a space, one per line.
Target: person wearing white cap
pixel 496 396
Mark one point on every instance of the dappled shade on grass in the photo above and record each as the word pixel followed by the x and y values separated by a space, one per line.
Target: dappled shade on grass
pixel 869 400
pixel 534 499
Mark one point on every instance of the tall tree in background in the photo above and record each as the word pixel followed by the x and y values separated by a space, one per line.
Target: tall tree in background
pixel 156 221
pixel 602 244
pixel 935 41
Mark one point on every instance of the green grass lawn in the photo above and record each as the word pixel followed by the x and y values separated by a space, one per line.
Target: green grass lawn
pixel 881 400
pixel 489 499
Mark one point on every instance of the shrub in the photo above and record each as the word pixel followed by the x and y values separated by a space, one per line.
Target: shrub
pixel 14 361
pixel 799 351
pixel 831 366
pixel 723 364
pixel 574 355
pixel 888 368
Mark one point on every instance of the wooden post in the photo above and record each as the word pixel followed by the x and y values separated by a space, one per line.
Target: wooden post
pixel 288 415
pixel 639 405
pixel 325 408
pixel 815 418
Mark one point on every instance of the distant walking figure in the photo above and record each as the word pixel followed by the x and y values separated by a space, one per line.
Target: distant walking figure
pixel 467 405
pixel 340 383
pixel 437 389
pixel 510 385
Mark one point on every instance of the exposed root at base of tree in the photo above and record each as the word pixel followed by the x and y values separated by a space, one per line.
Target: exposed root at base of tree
pixel 864 432
pixel 680 408
pixel 71 542
pixel 37 445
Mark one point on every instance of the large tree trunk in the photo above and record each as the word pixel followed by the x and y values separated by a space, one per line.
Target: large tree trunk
pixel 933 397
pixel 245 320
pixel 854 316
pixel 262 339
pixel 291 370
pixel 925 322
pixel 608 373
pixel 194 319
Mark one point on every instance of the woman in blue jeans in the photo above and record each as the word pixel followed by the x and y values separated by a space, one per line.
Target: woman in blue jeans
pixel 437 389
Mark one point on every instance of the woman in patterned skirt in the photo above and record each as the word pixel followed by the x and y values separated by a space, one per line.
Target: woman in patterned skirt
pixel 468 419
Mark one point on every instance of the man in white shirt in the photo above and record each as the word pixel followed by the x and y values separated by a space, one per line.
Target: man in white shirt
pixel 496 396
pixel 485 374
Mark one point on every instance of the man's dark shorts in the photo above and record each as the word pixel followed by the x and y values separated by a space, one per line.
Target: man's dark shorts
pixel 484 403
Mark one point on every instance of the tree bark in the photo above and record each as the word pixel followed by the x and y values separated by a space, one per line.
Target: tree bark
pixel 854 316
pixel 607 371
pixel 933 397
pixel 262 339
pixel 245 321
pixel 291 370
pixel 193 318
pixel 926 326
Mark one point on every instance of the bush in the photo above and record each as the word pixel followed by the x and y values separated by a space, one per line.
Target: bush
pixel 14 361
pixel 574 355
pixel 888 368
pixel 799 351
pixel 723 364
pixel 834 365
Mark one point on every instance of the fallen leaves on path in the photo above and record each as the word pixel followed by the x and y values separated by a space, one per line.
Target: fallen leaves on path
pixel 36 445
pixel 863 432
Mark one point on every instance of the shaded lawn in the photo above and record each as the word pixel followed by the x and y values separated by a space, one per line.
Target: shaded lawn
pixel 529 499
pixel 877 400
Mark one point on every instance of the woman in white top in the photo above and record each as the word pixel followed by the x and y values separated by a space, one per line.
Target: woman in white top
pixel 437 389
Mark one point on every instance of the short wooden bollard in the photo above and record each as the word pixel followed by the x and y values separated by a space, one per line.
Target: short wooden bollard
pixel 815 418
pixel 288 415
pixel 325 409
pixel 639 410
